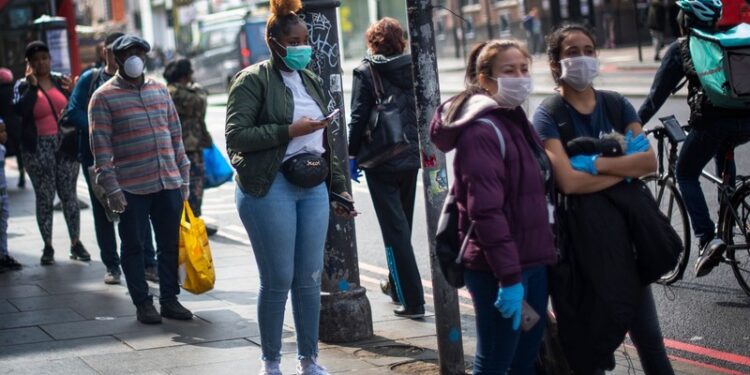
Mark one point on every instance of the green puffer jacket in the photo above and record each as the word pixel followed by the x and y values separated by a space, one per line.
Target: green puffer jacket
pixel 259 112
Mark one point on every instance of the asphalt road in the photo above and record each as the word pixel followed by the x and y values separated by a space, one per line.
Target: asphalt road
pixel 705 320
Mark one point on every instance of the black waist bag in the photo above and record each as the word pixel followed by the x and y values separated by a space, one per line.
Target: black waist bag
pixel 305 170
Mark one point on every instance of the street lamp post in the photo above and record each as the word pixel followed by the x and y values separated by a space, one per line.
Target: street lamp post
pixel 345 313
pixel 435 180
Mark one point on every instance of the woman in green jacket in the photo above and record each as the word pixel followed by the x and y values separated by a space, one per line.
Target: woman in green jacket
pixel 280 145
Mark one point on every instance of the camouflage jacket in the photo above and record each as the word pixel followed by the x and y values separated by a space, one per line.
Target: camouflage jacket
pixel 190 101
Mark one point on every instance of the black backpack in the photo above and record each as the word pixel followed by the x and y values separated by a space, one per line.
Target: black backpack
pixel 68 130
pixel 448 249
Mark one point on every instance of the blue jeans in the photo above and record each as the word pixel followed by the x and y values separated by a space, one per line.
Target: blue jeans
pixel 105 232
pixel 287 228
pixel 703 143
pixel 500 348
pixel 4 216
pixel 164 209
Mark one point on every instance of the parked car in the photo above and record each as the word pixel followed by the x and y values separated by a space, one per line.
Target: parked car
pixel 229 42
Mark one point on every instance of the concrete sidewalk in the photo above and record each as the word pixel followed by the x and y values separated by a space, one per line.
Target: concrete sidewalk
pixel 63 319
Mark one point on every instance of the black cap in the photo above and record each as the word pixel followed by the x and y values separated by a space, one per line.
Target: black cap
pixel 35 47
pixel 111 39
pixel 127 41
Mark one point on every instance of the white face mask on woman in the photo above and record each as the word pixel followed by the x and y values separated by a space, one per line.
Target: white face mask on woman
pixel 513 91
pixel 579 72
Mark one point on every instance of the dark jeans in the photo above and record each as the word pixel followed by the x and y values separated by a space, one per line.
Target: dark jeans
pixel 500 348
pixel 163 209
pixel 393 198
pixel 703 143
pixel 105 232
pixel 646 335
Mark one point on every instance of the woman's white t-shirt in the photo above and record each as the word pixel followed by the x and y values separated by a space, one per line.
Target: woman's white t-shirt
pixel 304 106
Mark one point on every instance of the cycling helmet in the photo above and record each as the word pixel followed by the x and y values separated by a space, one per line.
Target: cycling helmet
pixel 706 11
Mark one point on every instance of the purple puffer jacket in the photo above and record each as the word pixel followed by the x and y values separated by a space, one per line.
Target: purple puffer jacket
pixel 503 196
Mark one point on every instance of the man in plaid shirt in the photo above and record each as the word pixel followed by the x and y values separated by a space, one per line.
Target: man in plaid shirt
pixel 140 162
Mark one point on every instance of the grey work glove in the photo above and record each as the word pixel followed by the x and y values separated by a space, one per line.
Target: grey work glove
pixel 116 202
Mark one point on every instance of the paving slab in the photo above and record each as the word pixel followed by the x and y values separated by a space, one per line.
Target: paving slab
pixel 53 350
pixel 27 290
pixel 25 335
pixel 103 326
pixel 90 305
pixel 33 318
pixel 247 366
pixel 176 333
pixel 60 366
pixel 6 307
pixel 165 358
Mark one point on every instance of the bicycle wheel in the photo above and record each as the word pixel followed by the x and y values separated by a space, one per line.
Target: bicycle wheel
pixel 670 203
pixel 735 232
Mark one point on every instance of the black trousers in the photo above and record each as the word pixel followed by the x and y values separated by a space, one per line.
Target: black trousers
pixel 393 197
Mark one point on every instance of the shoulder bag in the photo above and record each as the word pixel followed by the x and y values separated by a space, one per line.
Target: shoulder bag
pixel 384 137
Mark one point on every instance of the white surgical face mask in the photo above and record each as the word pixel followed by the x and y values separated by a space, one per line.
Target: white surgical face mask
pixel 133 66
pixel 579 72
pixel 512 91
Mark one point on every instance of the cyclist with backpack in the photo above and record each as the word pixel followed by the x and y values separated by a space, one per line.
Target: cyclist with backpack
pixel 716 122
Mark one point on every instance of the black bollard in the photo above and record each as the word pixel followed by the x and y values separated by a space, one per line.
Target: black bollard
pixel 345 313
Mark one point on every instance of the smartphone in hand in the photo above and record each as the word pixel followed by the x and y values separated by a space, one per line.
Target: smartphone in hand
pixel 329 116
pixel 529 317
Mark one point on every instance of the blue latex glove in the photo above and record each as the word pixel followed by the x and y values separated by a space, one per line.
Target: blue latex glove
pixel 509 302
pixel 354 170
pixel 585 163
pixel 637 144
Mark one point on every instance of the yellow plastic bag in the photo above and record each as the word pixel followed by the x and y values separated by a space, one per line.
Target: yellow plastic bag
pixel 195 253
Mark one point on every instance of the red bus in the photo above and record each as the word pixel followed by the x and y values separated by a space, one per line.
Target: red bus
pixel 734 13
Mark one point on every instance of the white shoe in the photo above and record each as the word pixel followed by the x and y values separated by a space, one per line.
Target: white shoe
pixel 270 368
pixel 309 366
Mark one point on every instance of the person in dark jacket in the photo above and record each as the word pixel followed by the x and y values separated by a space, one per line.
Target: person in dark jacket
pixel 39 98
pixel 657 19
pixel 500 173
pixel 12 122
pixel 572 55
pixel 392 184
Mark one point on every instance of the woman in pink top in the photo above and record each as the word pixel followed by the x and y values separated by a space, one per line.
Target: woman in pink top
pixel 39 99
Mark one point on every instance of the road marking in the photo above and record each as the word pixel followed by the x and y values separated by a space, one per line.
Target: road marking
pixel 706 365
pixel 376 284
pixel 427 284
pixel 706 352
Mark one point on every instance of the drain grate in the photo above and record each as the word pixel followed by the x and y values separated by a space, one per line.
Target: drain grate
pixel 399 351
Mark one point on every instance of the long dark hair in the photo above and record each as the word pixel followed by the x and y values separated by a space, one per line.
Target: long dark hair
pixel 554 46
pixel 480 62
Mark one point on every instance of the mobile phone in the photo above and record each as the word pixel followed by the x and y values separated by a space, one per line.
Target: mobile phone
pixel 329 116
pixel 673 129
pixel 338 200
pixel 529 317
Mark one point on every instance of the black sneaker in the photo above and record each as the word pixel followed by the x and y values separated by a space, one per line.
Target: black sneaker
pixel 174 310
pixel 146 313
pixel 211 229
pixel 48 256
pixel 10 263
pixel 78 252
pixel 710 257
pixel 387 289
pixel 414 312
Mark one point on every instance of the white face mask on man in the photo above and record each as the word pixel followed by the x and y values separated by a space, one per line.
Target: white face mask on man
pixel 512 91
pixel 133 66
pixel 579 72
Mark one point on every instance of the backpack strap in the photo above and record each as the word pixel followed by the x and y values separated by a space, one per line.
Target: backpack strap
pixel 555 106
pixel 95 75
pixel 497 131
pixel 613 108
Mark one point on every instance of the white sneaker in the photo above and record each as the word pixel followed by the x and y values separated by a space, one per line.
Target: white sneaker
pixel 270 368
pixel 309 366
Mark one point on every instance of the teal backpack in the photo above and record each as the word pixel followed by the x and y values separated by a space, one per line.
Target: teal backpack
pixel 722 61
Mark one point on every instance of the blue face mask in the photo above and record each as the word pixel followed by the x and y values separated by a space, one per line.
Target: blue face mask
pixel 297 57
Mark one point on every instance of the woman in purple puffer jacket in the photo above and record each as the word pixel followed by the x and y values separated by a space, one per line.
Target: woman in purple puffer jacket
pixel 501 172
